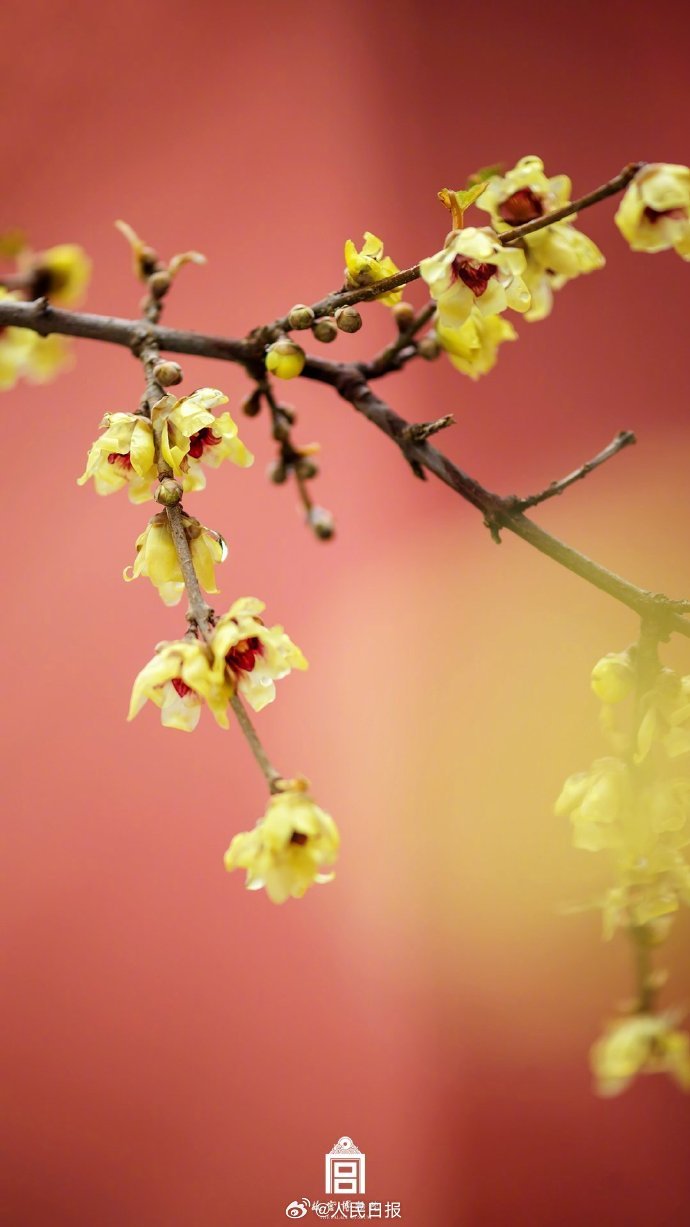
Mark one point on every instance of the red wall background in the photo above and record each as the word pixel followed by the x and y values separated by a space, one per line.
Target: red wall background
pixel 180 1052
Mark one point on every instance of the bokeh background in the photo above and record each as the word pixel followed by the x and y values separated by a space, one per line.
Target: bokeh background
pixel 180 1052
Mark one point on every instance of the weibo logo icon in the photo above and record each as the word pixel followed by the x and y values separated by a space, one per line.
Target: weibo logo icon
pixel 298 1209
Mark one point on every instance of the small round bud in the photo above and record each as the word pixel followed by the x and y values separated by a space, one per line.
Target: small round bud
pixel 251 405
pixel 301 316
pixel 285 359
pixel 307 468
pixel 613 677
pixel 403 314
pixel 322 523
pixel 167 373
pixel 276 472
pixel 169 492
pixel 325 329
pixel 429 348
pixel 159 283
pixel 348 319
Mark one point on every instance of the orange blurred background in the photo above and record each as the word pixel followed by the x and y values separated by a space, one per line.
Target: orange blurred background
pixel 179 1051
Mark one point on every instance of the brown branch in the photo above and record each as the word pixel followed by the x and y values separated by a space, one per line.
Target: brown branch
pixel 615 185
pixel 624 439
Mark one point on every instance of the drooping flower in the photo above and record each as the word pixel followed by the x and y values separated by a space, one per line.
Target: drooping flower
pixel 473 347
pixel 369 265
pixel 122 456
pixel 665 717
pixel 256 655
pixel 555 254
pixel 654 214
pixel 61 273
pixel 474 271
pixel 598 802
pixel 289 847
pixel 157 557
pixel 179 679
pixel 640 1044
pixel 192 435
pixel 613 677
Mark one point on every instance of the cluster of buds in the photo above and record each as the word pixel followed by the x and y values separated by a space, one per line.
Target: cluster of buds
pixel 60 275
pixel 634 804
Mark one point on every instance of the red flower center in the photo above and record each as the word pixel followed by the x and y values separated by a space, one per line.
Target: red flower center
pixel 655 215
pixel 201 440
pixel 523 206
pixel 242 657
pixel 298 837
pixel 182 688
pixel 474 275
pixel 122 460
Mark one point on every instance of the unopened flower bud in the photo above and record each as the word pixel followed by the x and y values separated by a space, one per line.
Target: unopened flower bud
pixel 301 316
pixel 429 348
pixel 276 472
pixel 307 468
pixel 403 314
pixel 348 319
pixel 613 677
pixel 285 359
pixel 169 492
pixel 322 523
pixel 325 329
pixel 159 283
pixel 168 373
pixel 251 405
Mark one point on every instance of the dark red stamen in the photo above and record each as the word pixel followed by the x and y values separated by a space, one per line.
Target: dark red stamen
pixel 201 440
pixel 242 657
pixel 655 215
pixel 121 460
pixel 181 687
pixel 523 206
pixel 298 837
pixel 474 275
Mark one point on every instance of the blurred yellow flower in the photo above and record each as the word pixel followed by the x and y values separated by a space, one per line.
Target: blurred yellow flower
pixel 284 359
pixel 640 1044
pixel 179 680
pixel 475 272
pixel 473 347
pixel 61 273
pixel 666 717
pixel 654 214
pixel 122 456
pixel 597 801
pixel 25 354
pixel 613 677
pixel 369 265
pixel 256 655
pixel 288 848
pixel 157 557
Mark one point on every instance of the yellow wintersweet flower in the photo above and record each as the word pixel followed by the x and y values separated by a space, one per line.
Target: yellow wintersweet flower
pixel 654 214
pixel 15 344
pixel 666 717
pixel 555 254
pixel 475 272
pixel 473 347
pixel 122 456
pixel 288 847
pixel 60 273
pixel 46 357
pixel 640 1044
pixel 179 680
pixel 191 432
pixel 256 655
pixel 597 801
pixel 613 677
pixel 157 557
pixel 369 265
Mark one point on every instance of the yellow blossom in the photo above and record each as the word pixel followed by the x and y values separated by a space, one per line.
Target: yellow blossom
pixel 157 557
pixel 369 265
pixel 122 456
pixel 613 677
pixel 192 435
pixel 60 273
pixel 640 1044
pixel 654 214
pixel 473 347
pixel 597 802
pixel 288 848
pixel 284 359
pixel 179 680
pixel 475 272
pixel 666 717
pixel 555 254
pixel 15 344
pixel 46 357
pixel 255 654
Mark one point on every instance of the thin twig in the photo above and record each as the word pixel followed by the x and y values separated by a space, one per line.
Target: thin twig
pixel 624 439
